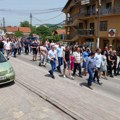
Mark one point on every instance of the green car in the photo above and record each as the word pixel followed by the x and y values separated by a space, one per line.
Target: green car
pixel 7 73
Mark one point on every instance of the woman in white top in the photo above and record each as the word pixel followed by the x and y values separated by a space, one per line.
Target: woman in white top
pixel 104 64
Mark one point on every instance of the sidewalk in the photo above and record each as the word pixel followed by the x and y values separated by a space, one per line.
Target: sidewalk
pixel 82 103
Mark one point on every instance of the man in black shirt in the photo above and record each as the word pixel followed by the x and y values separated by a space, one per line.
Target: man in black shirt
pixel 66 57
pixel 111 62
pixel 1 46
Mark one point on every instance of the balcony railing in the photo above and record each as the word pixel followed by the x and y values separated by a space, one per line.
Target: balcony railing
pixel 69 21
pixel 109 11
pixel 81 32
pixel 105 11
pixel 86 32
pixel 117 10
pixel 86 13
pixel 71 36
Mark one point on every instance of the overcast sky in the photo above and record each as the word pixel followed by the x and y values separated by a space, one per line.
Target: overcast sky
pixel 16 11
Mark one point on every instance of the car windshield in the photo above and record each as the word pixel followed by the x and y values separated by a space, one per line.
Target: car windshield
pixel 2 58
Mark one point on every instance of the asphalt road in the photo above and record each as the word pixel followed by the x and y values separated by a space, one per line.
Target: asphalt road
pixel 72 96
pixel 110 87
pixel 18 103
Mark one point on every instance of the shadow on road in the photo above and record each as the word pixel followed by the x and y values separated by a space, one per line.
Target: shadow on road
pixel 47 75
pixel 83 84
pixel 7 85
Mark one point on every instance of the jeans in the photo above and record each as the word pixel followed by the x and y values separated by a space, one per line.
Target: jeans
pixel 77 65
pixel 60 62
pixel 26 50
pixel 110 69
pixel 53 67
pixel 15 51
pixel 91 76
pixel 19 51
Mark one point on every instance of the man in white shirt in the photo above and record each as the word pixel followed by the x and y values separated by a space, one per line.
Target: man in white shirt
pixel 8 48
pixel 52 56
pixel 60 57
pixel 77 63
pixel 98 60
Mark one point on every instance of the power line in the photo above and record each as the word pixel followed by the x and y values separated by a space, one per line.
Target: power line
pixel 31 11
pixel 53 17
pixel 49 18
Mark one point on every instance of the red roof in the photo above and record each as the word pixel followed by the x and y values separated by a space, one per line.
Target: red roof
pixel 12 29
pixel 60 31
pixel 25 29
pixel 22 29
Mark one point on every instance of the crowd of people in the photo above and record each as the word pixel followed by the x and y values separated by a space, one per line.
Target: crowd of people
pixel 68 60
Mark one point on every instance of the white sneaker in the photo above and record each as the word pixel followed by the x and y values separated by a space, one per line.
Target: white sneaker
pixel 72 77
pixel 64 76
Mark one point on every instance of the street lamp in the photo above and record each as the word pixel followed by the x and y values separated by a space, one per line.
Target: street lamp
pixel 98 36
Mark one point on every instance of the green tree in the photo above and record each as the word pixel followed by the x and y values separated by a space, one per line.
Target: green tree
pixel 25 24
pixel 19 34
pixel 44 31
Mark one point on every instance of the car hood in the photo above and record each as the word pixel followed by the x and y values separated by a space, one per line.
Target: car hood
pixel 5 66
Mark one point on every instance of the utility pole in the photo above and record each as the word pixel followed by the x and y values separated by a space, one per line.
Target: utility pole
pixel 4 24
pixel 30 20
pixel 98 36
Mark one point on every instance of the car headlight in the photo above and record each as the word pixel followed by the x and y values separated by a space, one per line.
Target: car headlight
pixel 10 70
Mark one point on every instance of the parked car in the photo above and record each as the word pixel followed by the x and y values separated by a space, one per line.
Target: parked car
pixel 7 73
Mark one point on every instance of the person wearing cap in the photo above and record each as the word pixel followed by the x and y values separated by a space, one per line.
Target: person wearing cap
pixel 52 56
pixel 90 68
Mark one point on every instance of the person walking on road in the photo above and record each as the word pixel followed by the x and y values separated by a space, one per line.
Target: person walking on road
pixel 34 46
pixel 90 67
pixel 104 64
pixel 26 46
pixel 115 63
pixel 8 47
pixel 77 62
pixel 60 57
pixel 66 58
pixel 98 62
pixel 110 63
pixel 1 46
pixel 52 55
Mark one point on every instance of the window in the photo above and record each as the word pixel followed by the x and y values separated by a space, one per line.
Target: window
pixel 80 25
pixel 92 25
pixel 103 25
pixel 109 5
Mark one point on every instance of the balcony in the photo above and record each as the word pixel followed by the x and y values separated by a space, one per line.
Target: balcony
pixel 72 37
pixel 80 33
pixel 86 32
pixel 69 21
pixel 109 11
pixel 86 13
